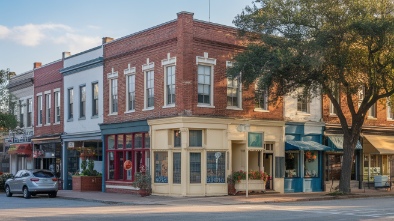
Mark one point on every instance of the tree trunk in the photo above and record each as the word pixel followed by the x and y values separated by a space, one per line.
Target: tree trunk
pixel 349 144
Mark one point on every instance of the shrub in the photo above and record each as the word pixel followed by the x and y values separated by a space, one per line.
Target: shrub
pixel 252 175
pixel 4 177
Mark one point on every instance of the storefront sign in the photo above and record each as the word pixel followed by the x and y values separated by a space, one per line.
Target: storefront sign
pixel 127 165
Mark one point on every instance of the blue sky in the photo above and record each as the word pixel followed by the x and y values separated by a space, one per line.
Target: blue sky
pixel 40 30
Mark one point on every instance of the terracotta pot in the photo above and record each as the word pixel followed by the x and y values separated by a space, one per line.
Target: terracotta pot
pixel 144 192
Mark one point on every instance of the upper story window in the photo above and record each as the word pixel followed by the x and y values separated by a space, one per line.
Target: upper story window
pixel 205 79
pixel 39 110
pixel 389 107
pixel 113 92
pixel 260 99
pixel 29 112
pixel 372 111
pixel 336 94
pixel 234 92
pixel 130 82
pixel 302 102
pixel 21 113
pixel 48 108
pixel 70 103
pixel 149 79
pixel 57 106
pixel 82 101
pixel 95 97
pixel 169 80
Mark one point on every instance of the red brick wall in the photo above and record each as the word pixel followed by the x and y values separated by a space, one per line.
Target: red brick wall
pixel 184 39
pixel 47 78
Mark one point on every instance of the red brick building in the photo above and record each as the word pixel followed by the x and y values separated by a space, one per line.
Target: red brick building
pixel 48 116
pixel 169 107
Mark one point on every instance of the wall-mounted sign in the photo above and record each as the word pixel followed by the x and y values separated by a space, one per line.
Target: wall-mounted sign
pixel 127 165
pixel 70 144
pixel 256 140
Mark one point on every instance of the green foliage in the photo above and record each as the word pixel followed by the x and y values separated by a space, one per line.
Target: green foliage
pixel 7 119
pixel 236 176
pixel 4 177
pixel 88 169
pixel 142 181
pixel 322 46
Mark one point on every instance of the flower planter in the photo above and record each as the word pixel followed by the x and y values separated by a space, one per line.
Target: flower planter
pixel 87 183
pixel 254 185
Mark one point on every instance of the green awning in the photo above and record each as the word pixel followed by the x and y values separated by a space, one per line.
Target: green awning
pixel 306 145
pixel 336 143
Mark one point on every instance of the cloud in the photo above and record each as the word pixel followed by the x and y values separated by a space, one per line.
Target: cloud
pixel 4 32
pixel 94 27
pixel 32 35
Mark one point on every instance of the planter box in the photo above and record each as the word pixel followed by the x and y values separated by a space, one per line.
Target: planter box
pixel 254 185
pixel 87 183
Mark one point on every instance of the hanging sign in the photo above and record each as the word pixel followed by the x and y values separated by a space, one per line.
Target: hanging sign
pixel 127 165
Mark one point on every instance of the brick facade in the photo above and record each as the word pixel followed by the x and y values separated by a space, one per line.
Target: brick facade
pixel 48 78
pixel 184 39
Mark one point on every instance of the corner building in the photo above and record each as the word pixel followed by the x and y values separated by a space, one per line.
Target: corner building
pixel 170 108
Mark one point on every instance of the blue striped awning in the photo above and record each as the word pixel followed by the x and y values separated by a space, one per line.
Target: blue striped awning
pixel 336 143
pixel 306 145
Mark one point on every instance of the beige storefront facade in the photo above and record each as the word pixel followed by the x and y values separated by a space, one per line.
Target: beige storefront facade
pixel 192 156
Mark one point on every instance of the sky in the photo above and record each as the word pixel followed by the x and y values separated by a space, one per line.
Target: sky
pixel 40 30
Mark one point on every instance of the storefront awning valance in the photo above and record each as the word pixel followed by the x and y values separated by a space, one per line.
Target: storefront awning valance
pixel 336 143
pixel 305 145
pixel 20 149
pixel 377 144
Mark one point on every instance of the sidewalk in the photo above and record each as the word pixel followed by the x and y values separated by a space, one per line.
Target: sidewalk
pixel 268 197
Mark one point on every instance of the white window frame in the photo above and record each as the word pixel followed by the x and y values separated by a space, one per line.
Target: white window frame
pixel 130 71
pixel 238 88
pixel 48 105
pixel 94 100
pixel 372 112
pixel 112 76
pixel 147 69
pixel 266 106
pixel 210 62
pixel 308 103
pixel 39 108
pixel 82 101
pixel 56 94
pixel 167 63
pixel 70 100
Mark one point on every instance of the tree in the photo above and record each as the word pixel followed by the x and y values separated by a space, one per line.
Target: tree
pixel 322 46
pixel 7 118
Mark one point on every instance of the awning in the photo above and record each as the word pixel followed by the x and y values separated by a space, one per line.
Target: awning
pixel 20 149
pixel 377 144
pixel 336 143
pixel 305 145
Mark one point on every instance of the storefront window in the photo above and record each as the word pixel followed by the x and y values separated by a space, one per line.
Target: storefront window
pixel 147 140
pixel 311 164
pixel 111 166
pixel 161 167
pixel 195 138
pixel 292 164
pixel 120 141
pixel 195 167
pixel 177 138
pixel 333 168
pixel 120 161
pixel 216 167
pixel 176 170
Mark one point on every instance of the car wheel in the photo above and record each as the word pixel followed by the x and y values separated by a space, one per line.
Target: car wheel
pixel 52 194
pixel 8 191
pixel 26 193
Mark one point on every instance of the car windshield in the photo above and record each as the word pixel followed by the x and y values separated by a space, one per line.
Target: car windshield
pixel 43 174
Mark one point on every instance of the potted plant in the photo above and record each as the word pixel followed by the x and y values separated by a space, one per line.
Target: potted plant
pixel 88 179
pixel 142 180
pixel 257 180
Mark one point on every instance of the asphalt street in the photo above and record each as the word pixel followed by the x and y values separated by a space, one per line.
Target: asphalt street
pixel 44 208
